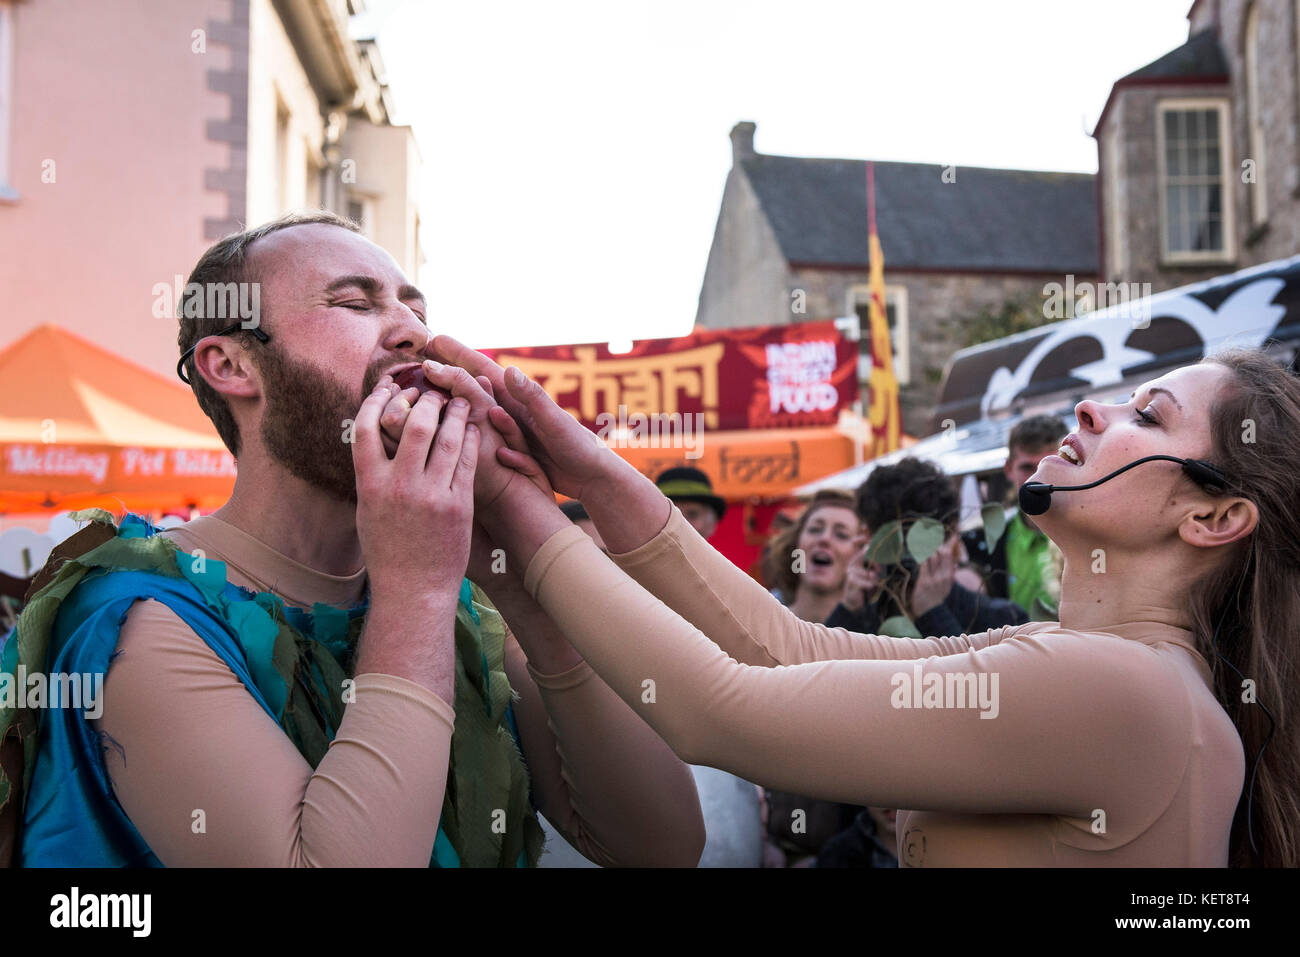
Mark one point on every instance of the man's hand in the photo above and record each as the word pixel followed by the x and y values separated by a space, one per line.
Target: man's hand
pixel 934 580
pixel 423 495
pixel 393 417
pixel 860 582
pixel 414 512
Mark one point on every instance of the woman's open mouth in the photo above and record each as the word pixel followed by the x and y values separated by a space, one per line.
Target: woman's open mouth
pixel 1071 451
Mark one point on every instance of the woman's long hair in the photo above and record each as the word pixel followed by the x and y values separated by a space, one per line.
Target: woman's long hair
pixel 1248 609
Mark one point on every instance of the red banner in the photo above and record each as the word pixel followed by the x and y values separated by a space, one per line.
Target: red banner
pixel 761 377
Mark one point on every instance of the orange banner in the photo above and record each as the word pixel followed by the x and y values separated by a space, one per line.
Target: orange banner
pixel 37 476
pixel 744 464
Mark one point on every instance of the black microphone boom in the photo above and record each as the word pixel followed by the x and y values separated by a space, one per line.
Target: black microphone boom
pixel 1036 497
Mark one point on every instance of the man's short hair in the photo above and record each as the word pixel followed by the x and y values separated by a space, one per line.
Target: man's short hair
pixel 1034 433
pixel 908 489
pixel 224 263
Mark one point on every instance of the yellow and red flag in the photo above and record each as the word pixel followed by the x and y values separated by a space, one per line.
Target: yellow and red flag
pixel 884 412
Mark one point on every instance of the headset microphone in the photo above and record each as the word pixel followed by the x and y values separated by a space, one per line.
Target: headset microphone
pixel 1036 497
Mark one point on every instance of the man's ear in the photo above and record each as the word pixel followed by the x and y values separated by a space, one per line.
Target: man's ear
pixel 226 366
pixel 1218 522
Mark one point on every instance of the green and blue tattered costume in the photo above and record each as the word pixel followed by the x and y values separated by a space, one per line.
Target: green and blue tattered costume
pixel 295 665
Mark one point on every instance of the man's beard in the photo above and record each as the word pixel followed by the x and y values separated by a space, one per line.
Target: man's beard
pixel 308 422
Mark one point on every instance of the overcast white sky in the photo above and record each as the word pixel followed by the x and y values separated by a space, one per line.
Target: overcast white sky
pixel 575 152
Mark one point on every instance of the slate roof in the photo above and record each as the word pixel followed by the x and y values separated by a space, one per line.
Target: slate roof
pixel 1199 60
pixel 1200 56
pixel 989 219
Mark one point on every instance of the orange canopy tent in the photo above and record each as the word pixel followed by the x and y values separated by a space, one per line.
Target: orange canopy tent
pixel 81 426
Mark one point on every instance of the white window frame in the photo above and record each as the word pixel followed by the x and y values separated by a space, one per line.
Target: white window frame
pixel 1115 206
pixel 7 192
pixel 899 336
pixel 1229 251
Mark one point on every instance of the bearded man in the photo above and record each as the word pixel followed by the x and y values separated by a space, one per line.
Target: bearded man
pixel 307 677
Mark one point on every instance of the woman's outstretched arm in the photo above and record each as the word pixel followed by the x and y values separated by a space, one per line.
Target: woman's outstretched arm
pixel 695 580
pixel 649 538
pixel 1045 723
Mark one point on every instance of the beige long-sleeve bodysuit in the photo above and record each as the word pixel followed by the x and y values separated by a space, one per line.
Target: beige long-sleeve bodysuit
pixel 1099 748
pixel 189 737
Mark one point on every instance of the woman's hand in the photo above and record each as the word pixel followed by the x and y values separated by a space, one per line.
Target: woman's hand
pixel 625 505
pixel 571 456
pixel 515 455
pixel 493 477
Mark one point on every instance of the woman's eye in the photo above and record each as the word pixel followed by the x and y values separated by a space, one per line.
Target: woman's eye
pixel 1146 418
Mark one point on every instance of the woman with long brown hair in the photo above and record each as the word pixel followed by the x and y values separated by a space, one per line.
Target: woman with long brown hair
pixel 1245 612
pixel 1131 733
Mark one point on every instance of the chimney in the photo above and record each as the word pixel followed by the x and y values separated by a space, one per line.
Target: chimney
pixel 742 142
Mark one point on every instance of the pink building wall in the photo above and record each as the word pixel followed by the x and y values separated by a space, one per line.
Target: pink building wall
pixel 114 93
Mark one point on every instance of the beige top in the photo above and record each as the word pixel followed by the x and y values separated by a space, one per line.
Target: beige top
pixel 191 739
pixel 1083 748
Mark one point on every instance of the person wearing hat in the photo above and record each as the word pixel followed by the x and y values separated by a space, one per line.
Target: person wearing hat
pixel 692 492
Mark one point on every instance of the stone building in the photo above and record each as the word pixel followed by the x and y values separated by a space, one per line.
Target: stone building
pixel 791 243
pixel 1198 154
